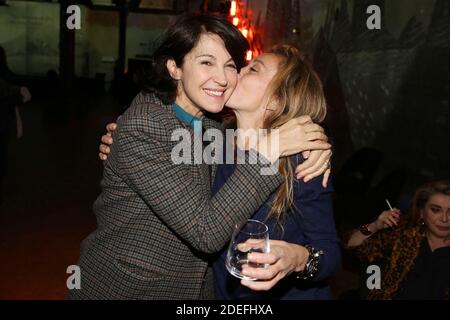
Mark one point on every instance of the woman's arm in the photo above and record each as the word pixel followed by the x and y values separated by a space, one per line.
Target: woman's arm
pixel 378 245
pixel 141 155
pixel 283 259
pixel 387 219
pixel 317 163
pixel 315 205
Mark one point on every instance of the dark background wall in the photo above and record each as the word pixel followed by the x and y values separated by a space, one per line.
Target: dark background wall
pixel 388 90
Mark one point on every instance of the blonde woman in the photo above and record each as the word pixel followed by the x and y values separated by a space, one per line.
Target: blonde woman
pixel 274 88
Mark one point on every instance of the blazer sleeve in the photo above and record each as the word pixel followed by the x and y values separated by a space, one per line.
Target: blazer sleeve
pixel 177 196
pixel 316 209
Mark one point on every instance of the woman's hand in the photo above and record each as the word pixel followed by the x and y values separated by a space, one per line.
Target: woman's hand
pixel 301 135
pixel 295 136
pixel 317 162
pixel 387 219
pixel 107 140
pixel 283 259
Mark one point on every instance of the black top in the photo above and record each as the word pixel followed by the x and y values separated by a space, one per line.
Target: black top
pixel 429 277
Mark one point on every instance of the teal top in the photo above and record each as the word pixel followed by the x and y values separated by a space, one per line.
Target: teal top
pixel 186 117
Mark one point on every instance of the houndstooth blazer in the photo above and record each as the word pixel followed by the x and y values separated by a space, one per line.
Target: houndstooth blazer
pixel 157 222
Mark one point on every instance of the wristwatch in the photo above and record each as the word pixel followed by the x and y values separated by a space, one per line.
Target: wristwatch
pixel 364 229
pixel 312 265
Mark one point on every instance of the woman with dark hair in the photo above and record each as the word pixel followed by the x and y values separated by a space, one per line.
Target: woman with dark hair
pixel 157 220
pixel 413 252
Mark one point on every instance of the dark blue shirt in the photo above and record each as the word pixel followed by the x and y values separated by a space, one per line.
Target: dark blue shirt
pixel 310 221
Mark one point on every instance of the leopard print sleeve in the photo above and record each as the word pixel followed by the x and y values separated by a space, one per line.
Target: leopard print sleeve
pixel 374 248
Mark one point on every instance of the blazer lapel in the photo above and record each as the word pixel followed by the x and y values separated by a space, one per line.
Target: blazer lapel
pixel 211 124
pixel 208 171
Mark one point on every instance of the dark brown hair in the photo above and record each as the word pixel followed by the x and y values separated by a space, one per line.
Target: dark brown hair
pixel 178 40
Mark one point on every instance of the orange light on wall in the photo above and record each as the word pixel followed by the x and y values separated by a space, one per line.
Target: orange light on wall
pixel 249 55
pixel 250 33
pixel 233 8
pixel 242 19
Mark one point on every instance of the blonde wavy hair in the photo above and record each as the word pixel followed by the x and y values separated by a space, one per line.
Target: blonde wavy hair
pixel 296 90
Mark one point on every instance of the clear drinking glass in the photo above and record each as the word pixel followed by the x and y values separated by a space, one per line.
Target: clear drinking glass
pixel 252 236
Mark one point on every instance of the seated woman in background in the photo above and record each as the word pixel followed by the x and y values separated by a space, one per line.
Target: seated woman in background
pixel 274 88
pixel 413 252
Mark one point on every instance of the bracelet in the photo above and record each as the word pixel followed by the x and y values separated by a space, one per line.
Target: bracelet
pixel 312 265
pixel 364 229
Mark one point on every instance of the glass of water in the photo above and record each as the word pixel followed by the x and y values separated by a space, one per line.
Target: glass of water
pixel 252 236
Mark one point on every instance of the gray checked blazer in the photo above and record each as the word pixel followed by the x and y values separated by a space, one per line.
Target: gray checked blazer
pixel 157 222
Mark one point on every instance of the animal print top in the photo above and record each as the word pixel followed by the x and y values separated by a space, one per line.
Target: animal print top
pixel 397 251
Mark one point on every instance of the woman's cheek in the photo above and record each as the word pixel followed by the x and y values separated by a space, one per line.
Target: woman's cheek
pixel 233 78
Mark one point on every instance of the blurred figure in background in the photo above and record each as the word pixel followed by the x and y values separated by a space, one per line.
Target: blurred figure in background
pixel 10 123
pixel 413 252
